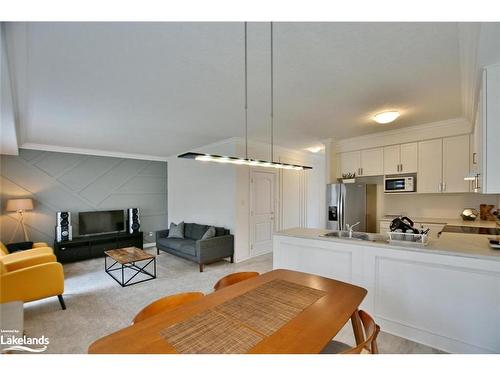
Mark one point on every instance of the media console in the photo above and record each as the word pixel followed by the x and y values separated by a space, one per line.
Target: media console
pixel 93 246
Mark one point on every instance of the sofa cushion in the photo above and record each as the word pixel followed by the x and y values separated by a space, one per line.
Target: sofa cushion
pixel 189 247
pixel 182 245
pixel 176 230
pixel 220 231
pixel 210 233
pixel 195 231
pixel 171 243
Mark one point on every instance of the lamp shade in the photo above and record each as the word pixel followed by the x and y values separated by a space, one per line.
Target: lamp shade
pixel 23 204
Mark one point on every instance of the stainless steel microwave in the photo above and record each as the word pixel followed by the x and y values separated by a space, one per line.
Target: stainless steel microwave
pixel 399 184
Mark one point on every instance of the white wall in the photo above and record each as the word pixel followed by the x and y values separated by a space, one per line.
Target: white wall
pixel 202 193
pixel 218 194
pixel 8 136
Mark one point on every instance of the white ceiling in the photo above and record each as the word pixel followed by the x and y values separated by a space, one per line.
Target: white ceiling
pixel 164 88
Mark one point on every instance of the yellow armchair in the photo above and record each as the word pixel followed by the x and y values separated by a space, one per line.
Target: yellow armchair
pixel 30 275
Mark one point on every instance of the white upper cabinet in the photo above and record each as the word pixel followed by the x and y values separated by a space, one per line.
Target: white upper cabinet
pixel 350 162
pixel 409 158
pixel 455 164
pixel 372 162
pixel 362 163
pixel 401 158
pixel 430 160
pixel 443 164
pixel 392 159
pixel 490 131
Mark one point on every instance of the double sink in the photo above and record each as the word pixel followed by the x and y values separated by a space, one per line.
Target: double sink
pixel 357 236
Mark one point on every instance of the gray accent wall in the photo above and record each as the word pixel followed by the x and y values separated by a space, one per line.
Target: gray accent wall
pixel 73 182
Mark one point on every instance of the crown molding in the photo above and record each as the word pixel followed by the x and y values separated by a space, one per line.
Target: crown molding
pixel 88 151
pixel 414 133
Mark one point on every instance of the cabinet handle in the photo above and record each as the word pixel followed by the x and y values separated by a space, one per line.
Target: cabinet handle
pixel 401 167
pixel 361 169
pixel 474 161
pixel 440 188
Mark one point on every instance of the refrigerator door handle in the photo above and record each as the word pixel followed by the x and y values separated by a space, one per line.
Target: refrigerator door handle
pixel 341 209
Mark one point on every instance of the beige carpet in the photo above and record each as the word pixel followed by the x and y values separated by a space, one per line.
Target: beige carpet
pixel 97 305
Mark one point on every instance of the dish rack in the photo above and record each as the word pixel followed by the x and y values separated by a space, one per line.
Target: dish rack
pixel 408 239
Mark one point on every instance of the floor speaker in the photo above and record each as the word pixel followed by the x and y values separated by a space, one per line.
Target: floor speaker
pixel 64 230
pixel 133 221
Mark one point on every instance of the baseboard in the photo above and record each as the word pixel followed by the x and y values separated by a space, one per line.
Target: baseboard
pixel 431 339
pixel 148 245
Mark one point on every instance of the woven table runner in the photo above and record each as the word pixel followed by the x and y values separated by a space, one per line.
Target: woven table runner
pixel 239 324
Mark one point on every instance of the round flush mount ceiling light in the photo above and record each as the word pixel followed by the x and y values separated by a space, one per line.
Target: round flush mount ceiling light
pixel 386 117
pixel 315 149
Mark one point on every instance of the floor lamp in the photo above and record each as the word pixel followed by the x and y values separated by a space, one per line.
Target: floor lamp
pixel 19 206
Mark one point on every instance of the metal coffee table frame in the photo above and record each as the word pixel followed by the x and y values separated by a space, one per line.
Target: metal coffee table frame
pixel 133 266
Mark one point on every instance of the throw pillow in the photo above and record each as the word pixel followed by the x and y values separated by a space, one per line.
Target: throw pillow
pixel 209 233
pixel 176 230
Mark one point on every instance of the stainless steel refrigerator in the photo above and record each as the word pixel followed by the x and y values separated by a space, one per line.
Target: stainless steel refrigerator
pixel 350 203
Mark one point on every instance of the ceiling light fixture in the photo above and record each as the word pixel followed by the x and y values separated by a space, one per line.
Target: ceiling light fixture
pixel 246 160
pixel 386 117
pixel 315 149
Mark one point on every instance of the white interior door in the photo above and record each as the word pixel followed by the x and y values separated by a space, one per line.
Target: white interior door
pixel 262 211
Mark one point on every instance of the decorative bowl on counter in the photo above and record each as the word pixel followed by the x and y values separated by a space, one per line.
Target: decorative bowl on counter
pixel 469 214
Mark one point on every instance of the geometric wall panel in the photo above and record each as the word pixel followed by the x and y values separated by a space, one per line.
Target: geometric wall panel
pixel 75 183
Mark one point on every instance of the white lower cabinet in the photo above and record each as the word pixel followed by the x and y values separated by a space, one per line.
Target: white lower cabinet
pixel 447 302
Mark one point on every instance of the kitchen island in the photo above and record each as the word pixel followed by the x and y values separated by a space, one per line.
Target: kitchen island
pixel 445 295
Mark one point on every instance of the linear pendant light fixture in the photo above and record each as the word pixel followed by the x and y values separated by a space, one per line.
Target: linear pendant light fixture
pixel 246 160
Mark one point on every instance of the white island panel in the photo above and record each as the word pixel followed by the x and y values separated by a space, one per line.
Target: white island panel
pixel 445 301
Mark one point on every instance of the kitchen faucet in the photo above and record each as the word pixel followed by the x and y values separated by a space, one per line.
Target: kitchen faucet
pixel 349 228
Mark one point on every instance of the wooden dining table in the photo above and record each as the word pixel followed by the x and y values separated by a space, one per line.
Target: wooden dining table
pixel 309 328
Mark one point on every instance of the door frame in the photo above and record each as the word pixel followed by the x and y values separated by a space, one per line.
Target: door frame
pixel 251 230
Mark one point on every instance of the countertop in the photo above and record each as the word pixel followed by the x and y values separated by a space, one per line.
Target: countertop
pixel 447 221
pixel 456 244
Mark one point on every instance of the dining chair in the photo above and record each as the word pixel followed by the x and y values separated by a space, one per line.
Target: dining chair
pixel 368 346
pixel 234 278
pixel 166 304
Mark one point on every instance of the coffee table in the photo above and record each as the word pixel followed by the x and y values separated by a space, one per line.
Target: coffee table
pixel 126 258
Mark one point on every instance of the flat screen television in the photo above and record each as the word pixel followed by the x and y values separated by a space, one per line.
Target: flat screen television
pixel 96 222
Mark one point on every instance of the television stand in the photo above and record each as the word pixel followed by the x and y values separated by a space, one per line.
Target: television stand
pixel 94 246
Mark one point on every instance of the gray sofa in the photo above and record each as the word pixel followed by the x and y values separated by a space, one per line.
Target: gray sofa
pixel 192 247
